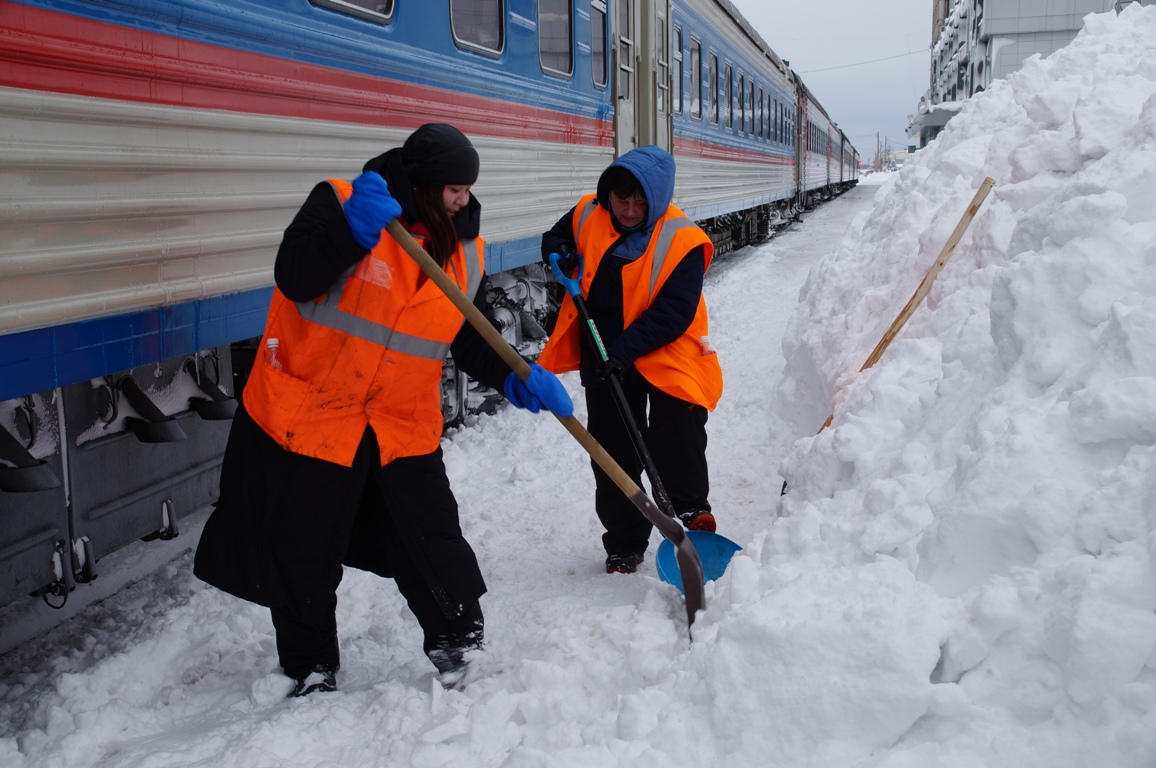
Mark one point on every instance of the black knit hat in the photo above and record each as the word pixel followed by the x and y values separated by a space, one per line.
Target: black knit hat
pixel 438 154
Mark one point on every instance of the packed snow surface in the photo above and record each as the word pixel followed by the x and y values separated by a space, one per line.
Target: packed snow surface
pixel 960 573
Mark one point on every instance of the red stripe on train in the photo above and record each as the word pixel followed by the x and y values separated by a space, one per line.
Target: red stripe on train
pixel 688 147
pixel 61 53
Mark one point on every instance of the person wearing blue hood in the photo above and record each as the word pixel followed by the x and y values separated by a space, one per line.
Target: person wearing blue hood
pixel 640 264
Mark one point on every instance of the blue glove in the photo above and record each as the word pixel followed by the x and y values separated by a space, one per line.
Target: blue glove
pixel 562 266
pixel 541 389
pixel 370 209
pixel 566 257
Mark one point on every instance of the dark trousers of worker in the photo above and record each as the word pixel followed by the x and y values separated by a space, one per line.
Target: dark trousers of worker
pixel 304 642
pixel 675 434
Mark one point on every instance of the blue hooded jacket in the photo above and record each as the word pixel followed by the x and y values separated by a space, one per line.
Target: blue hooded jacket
pixel 654 169
pixel 672 310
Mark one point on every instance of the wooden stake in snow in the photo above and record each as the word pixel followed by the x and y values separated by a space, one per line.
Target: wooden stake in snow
pixel 925 286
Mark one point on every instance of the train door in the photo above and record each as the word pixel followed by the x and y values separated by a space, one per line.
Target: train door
pixel 626 133
pixel 655 118
pixel 801 139
pixel 830 156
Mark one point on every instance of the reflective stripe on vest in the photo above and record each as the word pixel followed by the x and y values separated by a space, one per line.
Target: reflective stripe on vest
pixel 326 313
pixel 667 230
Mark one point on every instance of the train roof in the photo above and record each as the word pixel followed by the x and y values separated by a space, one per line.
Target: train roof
pixel 811 97
pixel 750 32
pixel 765 47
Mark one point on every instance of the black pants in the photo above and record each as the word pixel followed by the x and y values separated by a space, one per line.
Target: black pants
pixel 675 434
pixel 305 641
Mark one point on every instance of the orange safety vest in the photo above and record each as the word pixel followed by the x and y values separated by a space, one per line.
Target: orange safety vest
pixel 369 351
pixel 687 368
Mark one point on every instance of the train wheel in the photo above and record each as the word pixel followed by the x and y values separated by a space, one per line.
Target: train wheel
pixel 454 392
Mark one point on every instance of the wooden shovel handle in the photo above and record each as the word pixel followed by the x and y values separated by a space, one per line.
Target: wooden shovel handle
pixel 508 353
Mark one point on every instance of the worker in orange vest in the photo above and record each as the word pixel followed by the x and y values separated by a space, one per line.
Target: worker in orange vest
pixel 642 264
pixel 334 457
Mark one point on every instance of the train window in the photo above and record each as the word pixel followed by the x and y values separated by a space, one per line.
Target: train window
pixel 598 42
pixel 761 128
pixel 742 103
pixel 751 107
pixel 747 108
pixel 712 73
pixel 729 95
pixel 662 64
pixel 625 51
pixel 776 125
pixel 555 49
pixel 676 75
pixel 374 10
pixel 477 24
pixel 695 79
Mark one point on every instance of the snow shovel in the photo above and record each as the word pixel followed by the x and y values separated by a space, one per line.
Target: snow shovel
pixel 687 557
pixel 715 551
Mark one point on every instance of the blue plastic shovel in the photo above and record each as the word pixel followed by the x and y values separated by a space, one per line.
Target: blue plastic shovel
pixel 714 551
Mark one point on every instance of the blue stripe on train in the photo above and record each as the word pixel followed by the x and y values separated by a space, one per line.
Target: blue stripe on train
pixel 40 360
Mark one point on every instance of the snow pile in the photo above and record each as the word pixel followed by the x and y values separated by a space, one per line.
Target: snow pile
pixel 1003 450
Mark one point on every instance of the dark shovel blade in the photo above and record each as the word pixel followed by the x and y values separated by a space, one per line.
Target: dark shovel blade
pixel 690 568
pixel 689 565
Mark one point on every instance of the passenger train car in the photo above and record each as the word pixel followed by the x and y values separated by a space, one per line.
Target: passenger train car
pixel 152 153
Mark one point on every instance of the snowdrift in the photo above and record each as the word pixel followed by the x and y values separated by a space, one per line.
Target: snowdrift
pixel 1002 452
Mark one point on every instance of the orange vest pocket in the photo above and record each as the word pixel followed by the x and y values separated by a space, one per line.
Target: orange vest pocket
pixel 273 398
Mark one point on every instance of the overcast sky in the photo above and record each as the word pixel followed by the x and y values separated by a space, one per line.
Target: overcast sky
pixel 867 62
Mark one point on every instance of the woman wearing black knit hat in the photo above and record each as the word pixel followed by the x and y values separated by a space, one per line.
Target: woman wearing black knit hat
pixel 334 456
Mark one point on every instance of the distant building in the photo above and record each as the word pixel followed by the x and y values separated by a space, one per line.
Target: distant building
pixel 974 42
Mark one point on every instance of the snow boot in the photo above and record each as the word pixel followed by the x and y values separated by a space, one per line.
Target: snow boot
pixel 448 652
pixel 624 563
pixel 321 679
pixel 697 520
